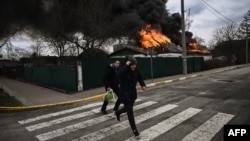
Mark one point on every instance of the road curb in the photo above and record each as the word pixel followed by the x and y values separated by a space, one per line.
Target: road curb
pixel 100 96
pixel 192 76
pixel 21 108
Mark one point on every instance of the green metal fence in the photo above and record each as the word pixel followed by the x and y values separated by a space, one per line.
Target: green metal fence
pixel 65 77
pixel 161 66
pixel 93 68
pixel 59 77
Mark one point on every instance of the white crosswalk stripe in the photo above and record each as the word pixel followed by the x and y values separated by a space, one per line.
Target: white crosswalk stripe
pixel 62 112
pixel 208 129
pixel 57 125
pixel 166 125
pixel 59 113
pixel 81 125
pixel 65 119
pixel 98 135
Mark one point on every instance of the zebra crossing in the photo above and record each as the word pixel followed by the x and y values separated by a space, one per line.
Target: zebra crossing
pixel 54 126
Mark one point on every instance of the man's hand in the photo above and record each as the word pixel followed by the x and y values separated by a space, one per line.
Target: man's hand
pixel 143 88
pixel 128 62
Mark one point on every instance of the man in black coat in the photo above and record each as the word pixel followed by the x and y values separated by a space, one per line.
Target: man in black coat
pixel 128 77
pixel 111 82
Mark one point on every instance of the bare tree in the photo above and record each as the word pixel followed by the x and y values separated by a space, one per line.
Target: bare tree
pixel 199 41
pixel 226 43
pixel 13 52
pixel 38 47
pixel 229 32
pixel 224 33
pixel 188 20
pixel 4 41
pixel 6 32
pixel 244 28
pixel 81 24
pixel 58 46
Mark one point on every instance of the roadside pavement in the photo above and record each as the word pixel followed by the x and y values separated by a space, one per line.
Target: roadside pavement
pixel 34 96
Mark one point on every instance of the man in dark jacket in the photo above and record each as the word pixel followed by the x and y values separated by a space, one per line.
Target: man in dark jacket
pixel 128 77
pixel 111 82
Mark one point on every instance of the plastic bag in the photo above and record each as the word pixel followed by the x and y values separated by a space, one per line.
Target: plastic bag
pixel 109 96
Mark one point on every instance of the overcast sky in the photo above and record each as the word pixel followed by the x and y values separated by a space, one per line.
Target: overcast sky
pixel 205 19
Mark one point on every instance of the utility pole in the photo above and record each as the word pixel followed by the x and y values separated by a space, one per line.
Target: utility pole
pixel 246 41
pixel 151 63
pixel 247 47
pixel 184 49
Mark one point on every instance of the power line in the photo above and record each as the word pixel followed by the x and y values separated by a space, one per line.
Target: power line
pixel 215 10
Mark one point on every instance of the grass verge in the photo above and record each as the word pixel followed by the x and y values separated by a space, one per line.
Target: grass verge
pixel 7 100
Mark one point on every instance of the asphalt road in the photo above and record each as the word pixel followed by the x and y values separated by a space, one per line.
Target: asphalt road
pixel 193 109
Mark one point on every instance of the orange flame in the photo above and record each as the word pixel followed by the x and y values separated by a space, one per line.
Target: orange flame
pixel 195 48
pixel 151 37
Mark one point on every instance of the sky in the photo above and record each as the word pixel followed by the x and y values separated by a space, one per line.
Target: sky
pixel 205 19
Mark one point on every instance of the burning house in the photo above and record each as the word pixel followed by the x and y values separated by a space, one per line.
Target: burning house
pixel 152 40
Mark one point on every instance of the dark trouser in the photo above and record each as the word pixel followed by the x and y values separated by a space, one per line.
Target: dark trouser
pixel 104 105
pixel 117 103
pixel 128 107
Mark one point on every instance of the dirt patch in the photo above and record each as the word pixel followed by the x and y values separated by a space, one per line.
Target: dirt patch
pixel 7 100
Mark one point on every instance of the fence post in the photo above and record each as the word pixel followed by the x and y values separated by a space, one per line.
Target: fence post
pixel 79 75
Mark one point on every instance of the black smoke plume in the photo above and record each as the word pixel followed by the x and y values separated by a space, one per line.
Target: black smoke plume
pixel 109 18
pixel 132 15
pixel 17 14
